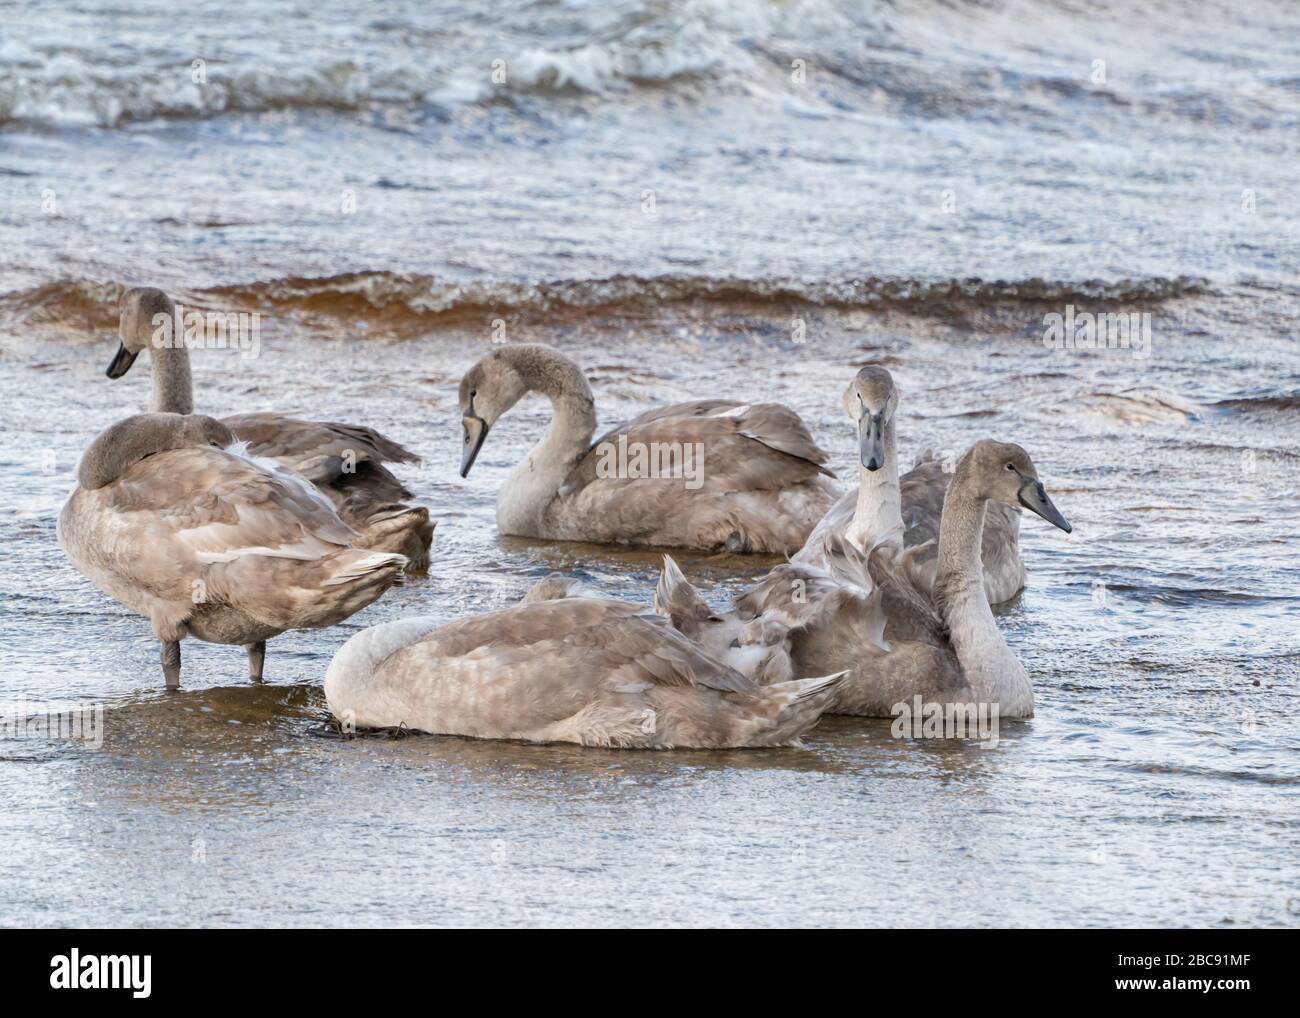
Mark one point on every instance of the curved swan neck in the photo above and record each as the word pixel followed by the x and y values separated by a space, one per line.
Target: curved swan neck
pixel 879 510
pixel 991 669
pixel 118 447
pixel 172 384
pixel 536 481
pixel 551 374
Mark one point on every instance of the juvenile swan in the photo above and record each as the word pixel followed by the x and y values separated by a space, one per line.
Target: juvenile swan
pixel 588 670
pixel 870 615
pixel 885 511
pixel 172 518
pixel 759 487
pixel 345 461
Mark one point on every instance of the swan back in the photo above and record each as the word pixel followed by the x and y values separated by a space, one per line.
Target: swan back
pixel 121 445
pixel 555 586
pixel 585 670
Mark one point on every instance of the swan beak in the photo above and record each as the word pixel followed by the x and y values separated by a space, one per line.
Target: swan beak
pixel 1033 496
pixel 476 430
pixel 871 438
pixel 121 363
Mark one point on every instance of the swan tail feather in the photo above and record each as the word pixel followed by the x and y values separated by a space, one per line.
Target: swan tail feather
pixel 795 707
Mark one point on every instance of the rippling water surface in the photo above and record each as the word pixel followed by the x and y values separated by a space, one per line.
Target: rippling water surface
pixel 655 189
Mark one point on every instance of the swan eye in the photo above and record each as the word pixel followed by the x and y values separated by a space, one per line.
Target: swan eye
pixel 1011 466
pixel 473 393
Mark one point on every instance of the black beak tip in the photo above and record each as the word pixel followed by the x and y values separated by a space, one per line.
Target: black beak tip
pixel 473 444
pixel 872 464
pixel 1066 527
pixel 121 363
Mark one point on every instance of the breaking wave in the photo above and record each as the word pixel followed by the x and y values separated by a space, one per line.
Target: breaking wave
pixel 93 304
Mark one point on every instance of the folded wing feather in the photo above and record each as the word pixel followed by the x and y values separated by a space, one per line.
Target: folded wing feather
pixel 747 447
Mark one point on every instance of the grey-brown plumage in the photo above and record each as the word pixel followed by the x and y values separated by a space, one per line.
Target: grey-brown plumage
pixel 885 509
pixel 758 647
pixel 121 445
pixel 207 542
pixel 709 474
pixel 902 631
pixel 867 615
pixel 924 488
pixel 555 586
pixel 587 670
pixel 347 462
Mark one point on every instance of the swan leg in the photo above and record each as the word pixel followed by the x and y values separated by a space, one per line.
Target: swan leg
pixel 256 659
pixel 171 663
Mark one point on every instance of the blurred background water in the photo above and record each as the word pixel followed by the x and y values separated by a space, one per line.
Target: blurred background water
pixel 691 198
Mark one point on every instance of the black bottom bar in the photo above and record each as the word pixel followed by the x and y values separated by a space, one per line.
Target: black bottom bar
pixel 215 967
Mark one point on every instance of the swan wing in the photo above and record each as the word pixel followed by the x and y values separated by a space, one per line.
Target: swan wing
pixel 608 641
pixel 746 447
pixel 817 549
pixel 326 452
pixel 203 505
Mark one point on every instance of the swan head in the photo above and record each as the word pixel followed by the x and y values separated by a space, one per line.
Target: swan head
pixel 138 317
pixel 488 390
pixel 870 401
pixel 1005 472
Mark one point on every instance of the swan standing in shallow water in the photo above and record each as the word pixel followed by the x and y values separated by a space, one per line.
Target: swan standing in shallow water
pixel 345 461
pixel 871 615
pixel 884 510
pixel 173 519
pixel 761 486
pixel 588 670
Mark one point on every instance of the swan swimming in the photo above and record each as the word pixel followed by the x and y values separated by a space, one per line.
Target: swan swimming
pixel 907 512
pixel 741 477
pixel 875 615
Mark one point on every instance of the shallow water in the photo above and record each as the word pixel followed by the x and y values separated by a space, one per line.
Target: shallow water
pixel 1158 783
